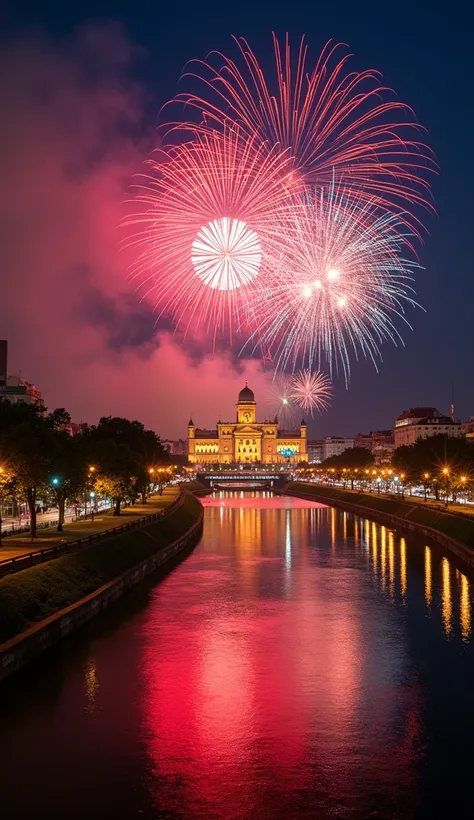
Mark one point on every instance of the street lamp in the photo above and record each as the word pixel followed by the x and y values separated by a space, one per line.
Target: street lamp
pixel 426 477
pixel 446 485
pixel 402 478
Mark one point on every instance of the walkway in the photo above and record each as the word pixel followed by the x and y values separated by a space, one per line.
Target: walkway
pixel 16 545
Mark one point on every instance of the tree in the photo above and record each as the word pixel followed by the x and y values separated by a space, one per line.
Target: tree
pixel 352 458
pixel 70 470
pixel 436 460
pixel 8 489
pixel 25 440
pixel 122 452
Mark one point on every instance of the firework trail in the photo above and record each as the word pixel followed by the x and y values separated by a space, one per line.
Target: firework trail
pixel 201 220
pixel 329 117
pixel 311 391
pixel 340 284
pixel 281 400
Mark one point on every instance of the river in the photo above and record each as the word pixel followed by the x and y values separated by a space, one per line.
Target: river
pixel 302 662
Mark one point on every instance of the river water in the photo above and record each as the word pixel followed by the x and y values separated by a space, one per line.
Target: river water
pixel 302 662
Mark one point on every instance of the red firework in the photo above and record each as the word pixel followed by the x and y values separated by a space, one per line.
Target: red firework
pixel 331 119
pixel 210 206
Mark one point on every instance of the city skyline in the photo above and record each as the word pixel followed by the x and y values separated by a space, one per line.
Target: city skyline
pixel 101 354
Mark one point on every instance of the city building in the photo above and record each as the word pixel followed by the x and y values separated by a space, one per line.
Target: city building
pixel 246 440
pixel 379 442
pixel 468 426
pixel 364 440
pixel 175 448
pixel 315 451
pixel 335 445
pixel 423 422
pixel 14 388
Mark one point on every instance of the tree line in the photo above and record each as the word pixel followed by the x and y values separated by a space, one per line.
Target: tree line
pixel 438 461
pixel 40 459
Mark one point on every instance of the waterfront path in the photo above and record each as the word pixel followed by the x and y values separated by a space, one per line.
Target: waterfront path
pixel 16 545
pixel 430 503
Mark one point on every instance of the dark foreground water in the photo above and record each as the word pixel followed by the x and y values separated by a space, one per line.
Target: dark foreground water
pixel 301 663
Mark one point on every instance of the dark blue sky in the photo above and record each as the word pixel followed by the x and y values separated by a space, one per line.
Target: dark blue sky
pixel 424 54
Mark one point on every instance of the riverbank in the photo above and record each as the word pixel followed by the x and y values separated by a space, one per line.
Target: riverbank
pixel 41 605
pixel 452 532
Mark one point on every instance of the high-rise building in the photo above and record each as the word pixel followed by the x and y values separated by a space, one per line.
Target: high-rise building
pixel 423 422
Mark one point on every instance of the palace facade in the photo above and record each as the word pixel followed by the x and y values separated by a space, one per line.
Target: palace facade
pixel 247 441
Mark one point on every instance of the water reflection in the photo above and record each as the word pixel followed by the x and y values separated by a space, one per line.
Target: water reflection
pixel 301 663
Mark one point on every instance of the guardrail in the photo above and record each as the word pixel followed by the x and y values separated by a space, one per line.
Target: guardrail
pixel 30 559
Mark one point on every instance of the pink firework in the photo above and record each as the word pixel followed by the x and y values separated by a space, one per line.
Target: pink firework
pixel 202 220
pixel 312 391
pixel 330 118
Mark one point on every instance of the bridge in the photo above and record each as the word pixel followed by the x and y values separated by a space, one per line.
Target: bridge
pixel 243 479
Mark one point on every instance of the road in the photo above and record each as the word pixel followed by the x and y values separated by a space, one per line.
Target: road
pixel 9 524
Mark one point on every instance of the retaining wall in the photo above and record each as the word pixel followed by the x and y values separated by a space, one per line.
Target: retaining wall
pixel 21 649
pixel 393 521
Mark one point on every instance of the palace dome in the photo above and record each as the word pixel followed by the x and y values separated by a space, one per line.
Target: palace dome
pixel 246 394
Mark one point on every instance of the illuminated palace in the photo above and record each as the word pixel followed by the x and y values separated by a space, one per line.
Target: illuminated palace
pixel 246 440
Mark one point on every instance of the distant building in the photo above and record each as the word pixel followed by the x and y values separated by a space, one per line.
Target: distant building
pixel 14 388
pixel 17 389
pixel 423 422
pixel 335 445
pixel 246 440
pixel 468 426
pixel 364 440
pixel 315 451
pixel 175 448
pixel 379 442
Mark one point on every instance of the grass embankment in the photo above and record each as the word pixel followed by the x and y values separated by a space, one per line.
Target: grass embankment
pixel 461 529
pixel 36 593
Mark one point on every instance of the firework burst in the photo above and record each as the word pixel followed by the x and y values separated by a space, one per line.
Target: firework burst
pixel 340 284
pixel 311 391
pixel 281 400
pixel 328 116
pixel 201 221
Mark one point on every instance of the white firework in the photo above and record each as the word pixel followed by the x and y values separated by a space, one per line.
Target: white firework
pixel 226 254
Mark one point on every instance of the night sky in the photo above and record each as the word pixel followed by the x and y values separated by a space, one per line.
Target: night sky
pixel 81 85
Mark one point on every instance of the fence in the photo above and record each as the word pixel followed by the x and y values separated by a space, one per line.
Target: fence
pixel 30 559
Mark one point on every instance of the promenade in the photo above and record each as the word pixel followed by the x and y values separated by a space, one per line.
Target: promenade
pixel 16 545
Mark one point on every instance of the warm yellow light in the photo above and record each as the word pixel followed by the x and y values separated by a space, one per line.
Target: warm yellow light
pixel 92 469
pixel 402 475
pixel 445 471
pixel 426 475
pixel 151 470
pixel 463 478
